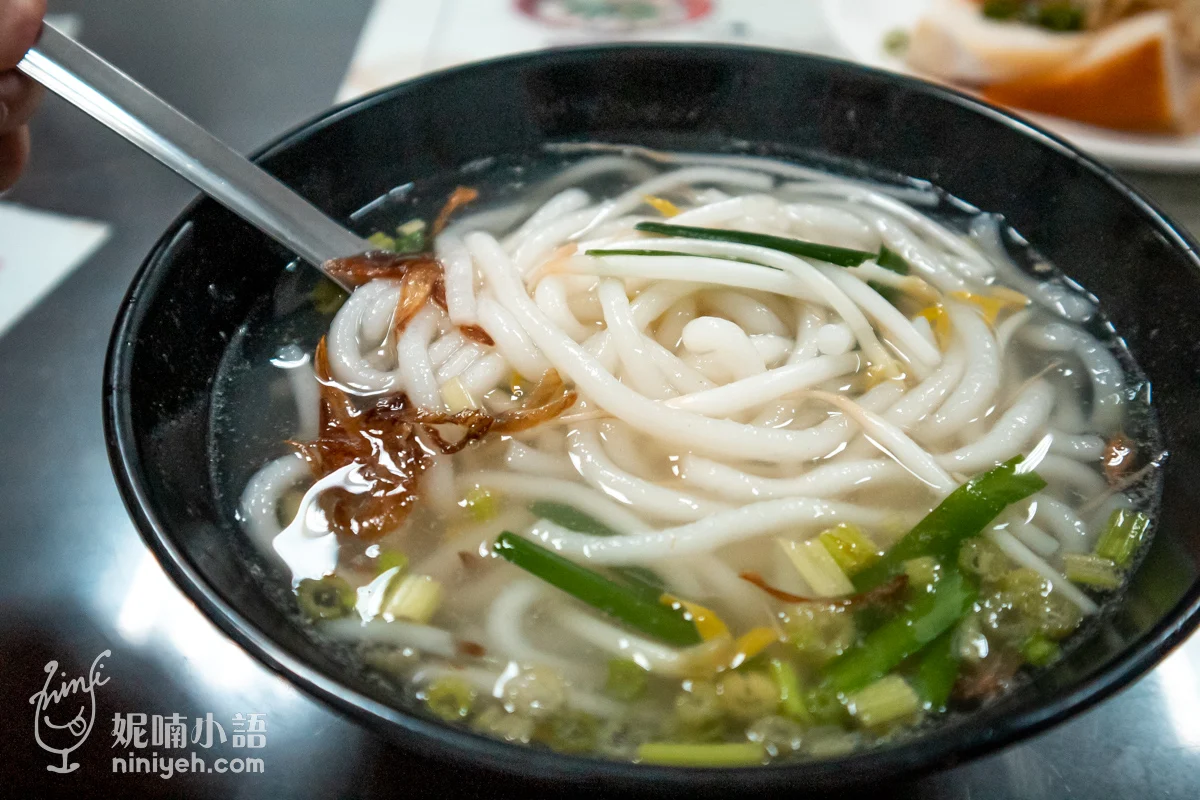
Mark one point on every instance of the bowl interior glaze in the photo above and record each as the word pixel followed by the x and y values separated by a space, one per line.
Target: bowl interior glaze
pixel 200 282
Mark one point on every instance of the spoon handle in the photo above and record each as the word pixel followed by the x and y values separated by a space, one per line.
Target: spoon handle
pixel 110 96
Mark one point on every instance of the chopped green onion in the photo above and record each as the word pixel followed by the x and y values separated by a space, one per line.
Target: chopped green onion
pixel 818 568
pixel 571 518
pixel 382 241
pixel 626 679
pixel 895 42
pixel 1089 570
pixel 850 547
pixel 890 259
pixel 1035 597
pixel 1122 536
pixel 889 293
pixel 389 558
pixel 481 504
pixel 1039 651
pixel 450 698
pixel 328 297
pixel 701 755
pixel 415 599
pixel 791 702
pixel 819 632
pixel 963 514
pixel 981 557
pixel 327 598
pixel 410 237
pixel 569 731
pixel 922 571
pixel 884 648
pixel 748 695
pixel 841 256
pixel 620 602
pixel 937 671
pixel 698 709
pixel 646 580
pixel 1002 9
pixel 1060 17
pixel 887 700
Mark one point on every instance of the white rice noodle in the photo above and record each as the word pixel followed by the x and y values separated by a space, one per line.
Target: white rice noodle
pixel 1069 473
pixel 913 345
pixel 764 387
pixel 715 436
pixel 423 638
pixel 1006 330
pixel 810 319
pixel 505 619
pixel 895 444
pixel 459 361
pixel 970 261
pixel 520 457
pixel 1108 379
pixel 1068 304
pixel 727 209
pixel 1021 554
pixel 666 182
pixel 671 324
pixel 551 297
pixel 632 347
pixel 437 482
pixel 974 394
pixel 725 343
pixel 1029 534
pixel 807 282
pixel 566 201
pixel 259 506
pixel 683 378
pixel 750 315
pixel 511 339
pixel 773 349
pixel 412 356
pixel 827 480
pixel 459 278
pixel 306 390
pixel 1081 447
pixel 444 346
pixel 647 498
pixel 793 514
pixel 1059 519
pixel 1008 436
pixel 572 493
pixel 827 225
pixel 923 400
pixel 484 374
pixel 350 331
pixel 649 655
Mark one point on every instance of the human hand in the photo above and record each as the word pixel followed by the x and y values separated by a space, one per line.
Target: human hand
pixel 20 23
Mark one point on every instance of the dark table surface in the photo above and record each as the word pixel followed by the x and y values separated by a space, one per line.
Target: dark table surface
pixel 75 578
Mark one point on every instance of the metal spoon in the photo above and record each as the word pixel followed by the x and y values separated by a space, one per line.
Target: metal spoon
pixel 91 84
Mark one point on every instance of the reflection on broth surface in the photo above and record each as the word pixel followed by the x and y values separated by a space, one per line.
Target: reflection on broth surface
pixel 685 459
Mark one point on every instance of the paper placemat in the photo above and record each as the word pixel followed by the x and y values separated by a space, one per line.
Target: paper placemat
pixel 402 38
pixel 37 250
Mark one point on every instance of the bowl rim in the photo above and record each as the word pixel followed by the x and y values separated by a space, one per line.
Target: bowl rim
pixel 920 755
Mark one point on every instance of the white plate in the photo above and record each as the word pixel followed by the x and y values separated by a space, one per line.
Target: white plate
pixel 860 25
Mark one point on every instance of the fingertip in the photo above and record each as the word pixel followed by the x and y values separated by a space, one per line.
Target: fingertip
pixel 20 26
pixel 14 153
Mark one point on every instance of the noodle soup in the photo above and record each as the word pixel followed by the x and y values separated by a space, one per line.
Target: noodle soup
pixel 688 460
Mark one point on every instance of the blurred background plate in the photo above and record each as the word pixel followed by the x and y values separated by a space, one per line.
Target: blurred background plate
pixel 859 26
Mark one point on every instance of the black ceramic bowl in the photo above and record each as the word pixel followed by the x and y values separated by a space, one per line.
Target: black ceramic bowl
pixel 202 279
